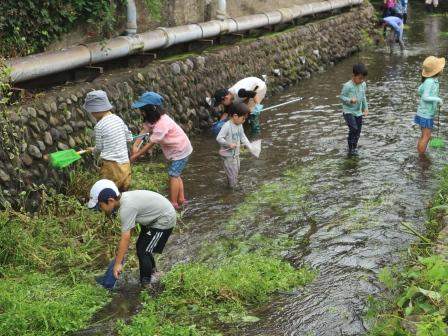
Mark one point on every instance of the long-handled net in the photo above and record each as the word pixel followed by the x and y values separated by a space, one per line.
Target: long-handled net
pixel 64 158
pixel 437 142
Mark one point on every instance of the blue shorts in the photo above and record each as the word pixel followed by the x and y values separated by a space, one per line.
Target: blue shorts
pixel 424 122
pixel 177 166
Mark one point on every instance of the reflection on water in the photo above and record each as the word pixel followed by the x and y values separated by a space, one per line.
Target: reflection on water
pixel 352 228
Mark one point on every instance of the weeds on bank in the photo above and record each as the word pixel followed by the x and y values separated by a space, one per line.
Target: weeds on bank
pixel 46 262
pixel 48 258
pixel 416 300
pixel 152 176
pixel 35 303
pixel 210 295
pixel 232 275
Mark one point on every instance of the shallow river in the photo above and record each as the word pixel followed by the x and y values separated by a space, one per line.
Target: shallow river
pixel 352 218
pixel 357 204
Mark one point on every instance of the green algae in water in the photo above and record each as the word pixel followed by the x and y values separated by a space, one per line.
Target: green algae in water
pixel 232 246
pixel 362 215
pixel 277 197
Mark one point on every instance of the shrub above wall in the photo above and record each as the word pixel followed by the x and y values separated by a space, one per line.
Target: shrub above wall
pixel 37 23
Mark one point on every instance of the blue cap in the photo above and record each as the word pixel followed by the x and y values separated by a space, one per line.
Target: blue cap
pixel 105 194
pixel 148 98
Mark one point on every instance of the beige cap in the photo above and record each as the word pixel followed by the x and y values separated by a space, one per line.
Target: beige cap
pixel 432 66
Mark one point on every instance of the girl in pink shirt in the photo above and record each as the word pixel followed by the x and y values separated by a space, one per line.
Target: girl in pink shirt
pixel 172 139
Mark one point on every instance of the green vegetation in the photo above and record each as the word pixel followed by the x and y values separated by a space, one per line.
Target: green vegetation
pixel 366 40
pixel 360 216
pixel 201 293
pixel 35 303
pixel 151 176
pixel 38 23
pixel 233 275
pixel 279 197
pixel 5 87
pixel 178 57
pixel 154 8
pixel 416 301
pixel 46 263
pixel 48 259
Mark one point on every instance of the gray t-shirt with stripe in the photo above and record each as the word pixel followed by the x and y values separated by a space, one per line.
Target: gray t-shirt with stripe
pixel 146 208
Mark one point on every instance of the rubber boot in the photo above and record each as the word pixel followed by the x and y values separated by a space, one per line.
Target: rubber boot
pixel 352 150
pixel 254 120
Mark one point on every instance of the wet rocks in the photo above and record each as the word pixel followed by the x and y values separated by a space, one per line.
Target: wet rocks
pixel 57 121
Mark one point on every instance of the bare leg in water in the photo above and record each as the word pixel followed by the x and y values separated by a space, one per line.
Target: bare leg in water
pixel 423 140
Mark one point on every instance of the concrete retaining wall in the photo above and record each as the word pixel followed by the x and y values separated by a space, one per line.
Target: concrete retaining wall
pixel 56 121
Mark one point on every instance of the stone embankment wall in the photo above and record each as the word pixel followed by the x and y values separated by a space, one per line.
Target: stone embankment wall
pixel 175 13
pixel 55 120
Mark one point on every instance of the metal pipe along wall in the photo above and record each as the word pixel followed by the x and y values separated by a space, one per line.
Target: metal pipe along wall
pixel 39 65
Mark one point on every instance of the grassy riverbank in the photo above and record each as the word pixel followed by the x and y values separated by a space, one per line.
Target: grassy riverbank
pixel 415 301
pixel 48 261
pixel 233 275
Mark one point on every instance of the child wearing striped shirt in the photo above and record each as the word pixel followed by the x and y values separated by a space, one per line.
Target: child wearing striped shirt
pixel 111 137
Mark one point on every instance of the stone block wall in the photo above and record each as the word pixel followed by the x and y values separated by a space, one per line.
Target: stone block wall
pixel 55 120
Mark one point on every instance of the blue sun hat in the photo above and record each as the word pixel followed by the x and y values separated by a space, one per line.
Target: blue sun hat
pixel 148 98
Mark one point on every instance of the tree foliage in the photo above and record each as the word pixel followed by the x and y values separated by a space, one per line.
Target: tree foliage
pixel 29 26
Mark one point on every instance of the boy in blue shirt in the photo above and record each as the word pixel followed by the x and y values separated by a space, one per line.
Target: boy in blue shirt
pixel 354 105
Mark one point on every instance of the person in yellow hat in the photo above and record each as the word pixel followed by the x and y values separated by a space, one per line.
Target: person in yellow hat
pixel 429 99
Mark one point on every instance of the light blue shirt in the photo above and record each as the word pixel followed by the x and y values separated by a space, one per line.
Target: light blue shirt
pixel 351 90
pixel 395 23
pixel 429 98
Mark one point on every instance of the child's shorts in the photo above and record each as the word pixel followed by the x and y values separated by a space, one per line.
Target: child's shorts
pixel 120 173
pixel 177 166
pixel 424 122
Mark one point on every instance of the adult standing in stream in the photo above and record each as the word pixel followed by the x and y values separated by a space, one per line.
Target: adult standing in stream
pixel 395 24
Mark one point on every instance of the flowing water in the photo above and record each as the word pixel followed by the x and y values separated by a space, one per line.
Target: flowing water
pixel 357 204
pixel 350 227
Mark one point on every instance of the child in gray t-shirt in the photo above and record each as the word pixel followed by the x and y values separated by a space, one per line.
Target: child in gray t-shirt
pixel 230 138
pixel 157 218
